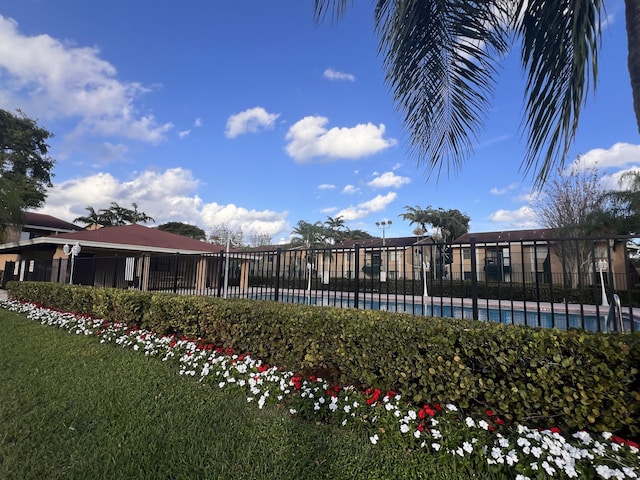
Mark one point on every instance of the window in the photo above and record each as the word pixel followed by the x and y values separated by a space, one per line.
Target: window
pixel 466 253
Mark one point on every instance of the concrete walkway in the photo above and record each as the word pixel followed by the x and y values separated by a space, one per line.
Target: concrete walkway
pixel 3 294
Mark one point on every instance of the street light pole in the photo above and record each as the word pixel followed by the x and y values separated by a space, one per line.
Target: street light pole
pixel 238 236
pixel 603 265
pixel 73 251
pixel 383 225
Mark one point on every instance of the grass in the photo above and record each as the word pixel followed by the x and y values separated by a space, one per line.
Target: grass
pixel 73 408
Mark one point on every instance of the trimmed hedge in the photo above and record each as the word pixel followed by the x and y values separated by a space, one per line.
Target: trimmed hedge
pixel 544 377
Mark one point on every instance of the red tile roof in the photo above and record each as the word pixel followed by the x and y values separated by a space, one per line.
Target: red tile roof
pixel 48 222
pixel 139 236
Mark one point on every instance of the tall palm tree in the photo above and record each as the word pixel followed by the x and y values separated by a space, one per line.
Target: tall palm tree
pixel 335 228
pixel 441 59
pixel 309 234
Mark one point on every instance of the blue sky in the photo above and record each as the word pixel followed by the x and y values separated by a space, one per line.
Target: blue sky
pixel 247 114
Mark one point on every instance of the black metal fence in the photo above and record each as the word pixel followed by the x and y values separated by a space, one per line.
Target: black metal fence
pixel 563 283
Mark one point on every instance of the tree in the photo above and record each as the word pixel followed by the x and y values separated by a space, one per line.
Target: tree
pixel 183 229
pixel 309 234
pixel 259 239
pixel 220 233
pixel 114 215
pixel 335 228
pixel 567 205
pixel 618 211
pixel 441 58
pixel 449 224
pixel 25 167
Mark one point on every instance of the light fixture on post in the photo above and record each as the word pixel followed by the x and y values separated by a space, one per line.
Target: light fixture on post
pixel 383 225
pixel 603 266
pixel 73 252
pixel 234 238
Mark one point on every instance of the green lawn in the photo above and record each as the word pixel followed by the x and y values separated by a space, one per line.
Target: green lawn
pixel 73 408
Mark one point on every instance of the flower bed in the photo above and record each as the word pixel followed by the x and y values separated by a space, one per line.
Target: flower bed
pixel 518 451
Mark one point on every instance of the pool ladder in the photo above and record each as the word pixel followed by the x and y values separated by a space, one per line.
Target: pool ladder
pixel 614 318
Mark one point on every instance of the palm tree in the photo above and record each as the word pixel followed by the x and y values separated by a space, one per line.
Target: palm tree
pixel 441 59
pixel 91 219
pixel 309 234
pixel 417 215
pixel 335 228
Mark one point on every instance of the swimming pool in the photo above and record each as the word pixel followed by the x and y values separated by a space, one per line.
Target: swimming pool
pixel 531 317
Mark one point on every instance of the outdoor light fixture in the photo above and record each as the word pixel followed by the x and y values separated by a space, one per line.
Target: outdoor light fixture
pixel 383 225
pixel 73 251
pixel 234 238
pixel 603 266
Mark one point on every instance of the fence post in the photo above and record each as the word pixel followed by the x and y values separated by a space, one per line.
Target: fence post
pixel 356 296
pixel 474 279
pixel 277 284
pixel 175 274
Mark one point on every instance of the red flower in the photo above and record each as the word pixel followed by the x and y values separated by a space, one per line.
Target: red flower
pixel 420 427
pixel 263 368
pixel 391 394
pixel 422 413
pixel 498 421
pixel 490 413
pixel 555 430
pixel 438 407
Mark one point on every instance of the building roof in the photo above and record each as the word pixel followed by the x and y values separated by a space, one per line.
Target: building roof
pixel 48 222
pixel 508 236
pixel 377 242
pixel 132 237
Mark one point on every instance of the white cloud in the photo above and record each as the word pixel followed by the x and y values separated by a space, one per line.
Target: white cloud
pixel 350 189
pixel 197 122
pixel 389 180
pixel 251 120
pixel 308 138
pixel 184 133
pixel 49 79
pixel 166 196
pixel 380 202
pixel 326 186
pixel 617 156
pixel 524 217
pixel 332 74
pixel 502 191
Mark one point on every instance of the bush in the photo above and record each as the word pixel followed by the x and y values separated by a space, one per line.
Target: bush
pixel 571 379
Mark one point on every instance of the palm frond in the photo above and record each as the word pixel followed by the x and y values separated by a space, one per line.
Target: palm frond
pixel 440 59
pixel 560 42
pixel 321 8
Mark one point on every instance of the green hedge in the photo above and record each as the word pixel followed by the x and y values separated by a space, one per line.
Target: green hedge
pixel 542 377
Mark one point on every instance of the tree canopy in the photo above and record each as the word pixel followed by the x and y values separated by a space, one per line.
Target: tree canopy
pixel 441 59
pixel 114 215
pixel 184 229
pixel 449 224
pixel 25 167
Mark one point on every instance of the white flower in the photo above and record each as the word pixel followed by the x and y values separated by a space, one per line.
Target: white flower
pixel 293 411
pixel 404 428
pixel 467 447
pixel 417 433
pixel 435 446
pixel 374 439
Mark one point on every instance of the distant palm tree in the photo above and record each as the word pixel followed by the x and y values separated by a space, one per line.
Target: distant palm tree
pixel 335 228
pixel 309 234
pixel 441 58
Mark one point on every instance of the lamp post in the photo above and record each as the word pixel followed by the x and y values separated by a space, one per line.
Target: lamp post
pixel 425 267
pixel 235 239
pixel 73 251
pixel 383 225
pixel 603 265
